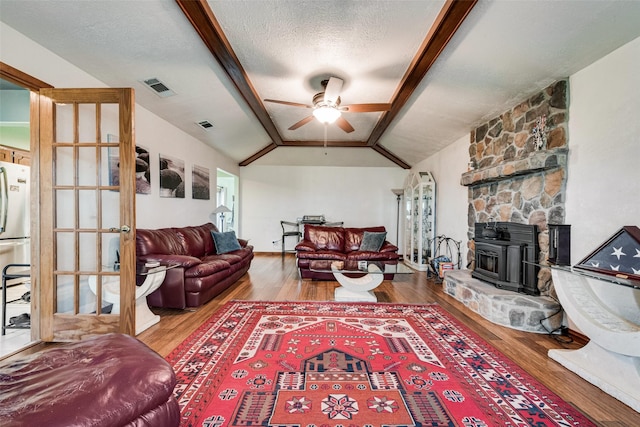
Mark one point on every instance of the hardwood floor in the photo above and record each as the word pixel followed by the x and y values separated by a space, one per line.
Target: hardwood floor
pixel 273 278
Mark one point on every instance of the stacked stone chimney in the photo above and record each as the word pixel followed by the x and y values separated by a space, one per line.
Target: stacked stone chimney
pixel 517 168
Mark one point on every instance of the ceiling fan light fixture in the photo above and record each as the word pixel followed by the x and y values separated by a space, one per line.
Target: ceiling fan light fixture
pixel 326 114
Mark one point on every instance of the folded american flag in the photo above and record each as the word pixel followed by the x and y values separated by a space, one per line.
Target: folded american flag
pixel 620 255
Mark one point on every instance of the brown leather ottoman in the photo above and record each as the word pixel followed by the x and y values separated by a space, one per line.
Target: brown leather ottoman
pixel 111 380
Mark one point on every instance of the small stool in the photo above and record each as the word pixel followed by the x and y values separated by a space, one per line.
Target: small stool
pixel 110 380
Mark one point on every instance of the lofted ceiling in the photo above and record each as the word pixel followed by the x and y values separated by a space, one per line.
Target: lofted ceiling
pixel 444 66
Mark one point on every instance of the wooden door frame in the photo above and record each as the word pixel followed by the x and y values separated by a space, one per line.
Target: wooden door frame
pixel 34 85
pixel 74 324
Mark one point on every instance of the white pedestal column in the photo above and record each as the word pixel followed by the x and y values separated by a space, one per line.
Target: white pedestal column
pixel 144 316
pixel 358 288
pixel 616 374
pixel 611 359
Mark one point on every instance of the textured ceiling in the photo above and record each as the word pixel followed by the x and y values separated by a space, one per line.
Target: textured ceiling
pixel 501 53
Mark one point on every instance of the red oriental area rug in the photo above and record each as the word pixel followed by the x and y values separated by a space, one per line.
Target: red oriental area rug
pixel 316 364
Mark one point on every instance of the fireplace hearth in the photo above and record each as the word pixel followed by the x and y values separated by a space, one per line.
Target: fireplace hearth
pixel 506 254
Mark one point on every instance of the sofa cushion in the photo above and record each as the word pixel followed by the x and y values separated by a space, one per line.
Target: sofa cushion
pixel 388 247
pixel 353 236
pixel 225 242
pixel 372 241
pixel 230 258
pixel 185 261
pixel 197 240
pixel 322 264
pixel 327 255
pixel 206 268
pixel 371 256
pixel 161 241
pixel 325 238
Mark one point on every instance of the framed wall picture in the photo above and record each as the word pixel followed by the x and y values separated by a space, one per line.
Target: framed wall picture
pixel 143 173
pixel 200 189
pixel 171 177
pixel 143 170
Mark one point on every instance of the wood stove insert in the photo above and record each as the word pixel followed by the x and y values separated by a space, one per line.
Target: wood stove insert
pixel 506 255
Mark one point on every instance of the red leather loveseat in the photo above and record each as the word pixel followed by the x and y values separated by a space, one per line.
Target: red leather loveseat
pixel 203 272
pixel 321 246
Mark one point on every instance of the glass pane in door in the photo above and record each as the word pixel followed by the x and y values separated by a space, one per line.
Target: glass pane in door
pixel 87 208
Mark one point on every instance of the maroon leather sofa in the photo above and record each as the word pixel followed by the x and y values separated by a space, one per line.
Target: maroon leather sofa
pixel 321 246
pixel 202 274
pixel 111 380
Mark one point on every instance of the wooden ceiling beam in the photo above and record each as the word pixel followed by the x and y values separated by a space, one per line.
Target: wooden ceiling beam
pixel 259 154
pixel 206 25
pixel 389 155
pixel 449 19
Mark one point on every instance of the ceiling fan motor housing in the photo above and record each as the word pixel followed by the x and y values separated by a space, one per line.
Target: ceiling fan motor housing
pixel 318 101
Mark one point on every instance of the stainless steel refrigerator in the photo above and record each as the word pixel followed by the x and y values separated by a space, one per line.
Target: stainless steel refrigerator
pixel 14 214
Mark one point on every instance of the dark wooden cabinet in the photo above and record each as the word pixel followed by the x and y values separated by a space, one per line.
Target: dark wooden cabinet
pixel 15 155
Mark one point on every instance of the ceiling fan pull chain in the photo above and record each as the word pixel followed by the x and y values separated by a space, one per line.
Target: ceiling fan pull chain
pixel 325 138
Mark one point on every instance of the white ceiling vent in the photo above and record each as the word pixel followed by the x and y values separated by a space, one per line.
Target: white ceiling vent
pixel 160 89
pixel 205 124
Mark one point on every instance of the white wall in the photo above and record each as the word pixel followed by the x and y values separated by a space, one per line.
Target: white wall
pixel 447 167
pixel 153 211
pixel 604 141
pixel 14 118
pixel 15 106
pixel 358 196
pixel 604 144
pixel 604 157
pixel 151 132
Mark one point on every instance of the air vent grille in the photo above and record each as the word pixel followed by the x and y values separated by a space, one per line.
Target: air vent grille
pixel 205 124
pixel 158 87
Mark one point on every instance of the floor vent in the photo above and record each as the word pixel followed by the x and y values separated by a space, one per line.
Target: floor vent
pixel 158 87
pixel 205 124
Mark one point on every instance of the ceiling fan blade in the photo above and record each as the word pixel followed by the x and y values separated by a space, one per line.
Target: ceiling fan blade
pixel 366 108
pixel 293 104
pixel 332 91
pixel 344 125
pixel 301 123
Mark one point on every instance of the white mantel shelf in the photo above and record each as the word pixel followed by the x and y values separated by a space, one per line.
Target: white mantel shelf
pixel 536 162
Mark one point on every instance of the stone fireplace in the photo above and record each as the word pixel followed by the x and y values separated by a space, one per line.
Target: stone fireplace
pixel 516 181
pixel 517 170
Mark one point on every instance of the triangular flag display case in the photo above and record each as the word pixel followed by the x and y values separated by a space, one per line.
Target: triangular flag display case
pixel 619 256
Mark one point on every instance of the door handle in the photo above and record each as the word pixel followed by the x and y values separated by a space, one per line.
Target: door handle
pixel 123 229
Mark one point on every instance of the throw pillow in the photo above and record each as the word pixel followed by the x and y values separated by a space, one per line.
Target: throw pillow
pixel 225 242
pixel 372 242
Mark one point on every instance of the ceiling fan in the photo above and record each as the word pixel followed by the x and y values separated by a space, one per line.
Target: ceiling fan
pixel 327 109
